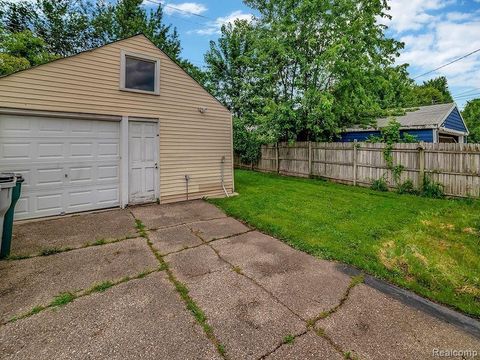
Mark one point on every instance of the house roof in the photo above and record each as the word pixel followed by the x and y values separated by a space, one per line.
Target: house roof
pixel 425 117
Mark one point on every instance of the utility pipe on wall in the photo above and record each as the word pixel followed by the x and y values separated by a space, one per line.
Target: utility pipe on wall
pixel 223 175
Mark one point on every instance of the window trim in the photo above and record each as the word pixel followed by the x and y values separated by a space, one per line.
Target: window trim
pixel 123 62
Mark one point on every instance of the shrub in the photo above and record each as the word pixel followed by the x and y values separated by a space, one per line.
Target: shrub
pixel 379 185
pixel 406 187
pixel 432 189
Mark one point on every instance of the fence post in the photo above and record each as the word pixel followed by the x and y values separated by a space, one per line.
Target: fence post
pixel 421 163
pixel 309 159
pixel 277 158
pixel 355 162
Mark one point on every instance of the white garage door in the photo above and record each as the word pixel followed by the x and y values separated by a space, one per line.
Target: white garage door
pixel 69 165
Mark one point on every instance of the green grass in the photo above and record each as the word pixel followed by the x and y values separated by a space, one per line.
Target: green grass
pixel 431 246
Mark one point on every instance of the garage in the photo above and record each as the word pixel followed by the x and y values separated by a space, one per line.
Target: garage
pixel 114 126
pixel 69 165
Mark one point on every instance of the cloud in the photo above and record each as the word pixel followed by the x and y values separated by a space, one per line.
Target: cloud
pixel 214 27
pixel 186 9
pixel 442 43
pixel 413 14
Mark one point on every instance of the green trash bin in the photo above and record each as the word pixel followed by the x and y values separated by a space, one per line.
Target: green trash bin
pixel 8 221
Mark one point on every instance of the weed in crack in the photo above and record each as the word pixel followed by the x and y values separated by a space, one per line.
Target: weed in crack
pixel 350 356
pixel 62 299
pixel 141 228
pixel 67 297
pixel 289 339
pixel 104 286
pixel 183 291
pixel 238 270
pixel 52 251
pixel 99 242
pixel 323 315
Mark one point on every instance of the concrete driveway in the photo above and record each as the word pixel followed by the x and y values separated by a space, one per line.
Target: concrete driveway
pixel 184 281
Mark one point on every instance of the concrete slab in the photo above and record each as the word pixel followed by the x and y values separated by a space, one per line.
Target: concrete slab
pixel 36 281
pixel 307 347
pixel 195 262
pixel 158 216
pixel 375 326
pixel 140 319
pixel 173 239
pixel 71 231
pixel 304 283
pixel 218 228
pixel 244 317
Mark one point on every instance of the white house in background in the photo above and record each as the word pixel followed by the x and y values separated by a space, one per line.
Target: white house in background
pixel 121 124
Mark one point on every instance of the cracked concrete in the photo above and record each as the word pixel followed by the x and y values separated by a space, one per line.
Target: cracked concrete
pixel 253 289
pixel 307 285
pixel 173 239
pixel 30 238
pixel 307 347
pixel 27 283
pixel 375 326
pixel 140 319
pixel 155 217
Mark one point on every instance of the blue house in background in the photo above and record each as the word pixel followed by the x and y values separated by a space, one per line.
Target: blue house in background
pixel 435 124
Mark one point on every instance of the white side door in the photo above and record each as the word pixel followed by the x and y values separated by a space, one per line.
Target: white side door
pixel 143 162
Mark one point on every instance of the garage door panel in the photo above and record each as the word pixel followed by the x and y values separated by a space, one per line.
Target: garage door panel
pixel 69 165
pixel 16 151
pixel 108 196
pixel 48 177
pixel 108 129
pixel 81 175
pixel 19 126
pixel 52 126
pixel 108 149
pixel 49 151
pixel 82 149
pixel 22 208
pixel 49 202
pixel 108 173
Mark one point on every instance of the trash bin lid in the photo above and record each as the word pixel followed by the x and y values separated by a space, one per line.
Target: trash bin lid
pixel 20 178
pixel 7 177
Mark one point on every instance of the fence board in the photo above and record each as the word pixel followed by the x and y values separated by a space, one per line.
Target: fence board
pixel 456 166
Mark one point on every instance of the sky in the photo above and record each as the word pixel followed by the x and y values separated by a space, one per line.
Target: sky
pixel 435 32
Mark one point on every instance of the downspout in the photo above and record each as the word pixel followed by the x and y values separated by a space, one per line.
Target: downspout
pixel 223 175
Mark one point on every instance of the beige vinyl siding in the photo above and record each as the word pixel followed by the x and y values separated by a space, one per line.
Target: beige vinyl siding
pixel 190 142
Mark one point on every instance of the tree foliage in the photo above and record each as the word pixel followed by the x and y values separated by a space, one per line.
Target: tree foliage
pixel 434 91
pixel 305 69
pixel 471 115
pixel 57 28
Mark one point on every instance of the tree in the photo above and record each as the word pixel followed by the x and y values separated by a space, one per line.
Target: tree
pixel 305 69
pixel 126 18
pixel 441 84
pixel 21 50
pixel 74 26
pixel 431 92
pixel 471 115
pixel 231 68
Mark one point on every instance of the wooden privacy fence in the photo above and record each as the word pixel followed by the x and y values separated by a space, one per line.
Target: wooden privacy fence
pixel 456 166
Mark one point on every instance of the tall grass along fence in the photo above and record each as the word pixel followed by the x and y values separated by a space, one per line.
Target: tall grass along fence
pixel 455 166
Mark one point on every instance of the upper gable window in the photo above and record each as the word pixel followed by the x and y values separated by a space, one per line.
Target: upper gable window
pixel 140 74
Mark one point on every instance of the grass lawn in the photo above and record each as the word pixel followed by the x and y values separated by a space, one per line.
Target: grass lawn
pixel 429 246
